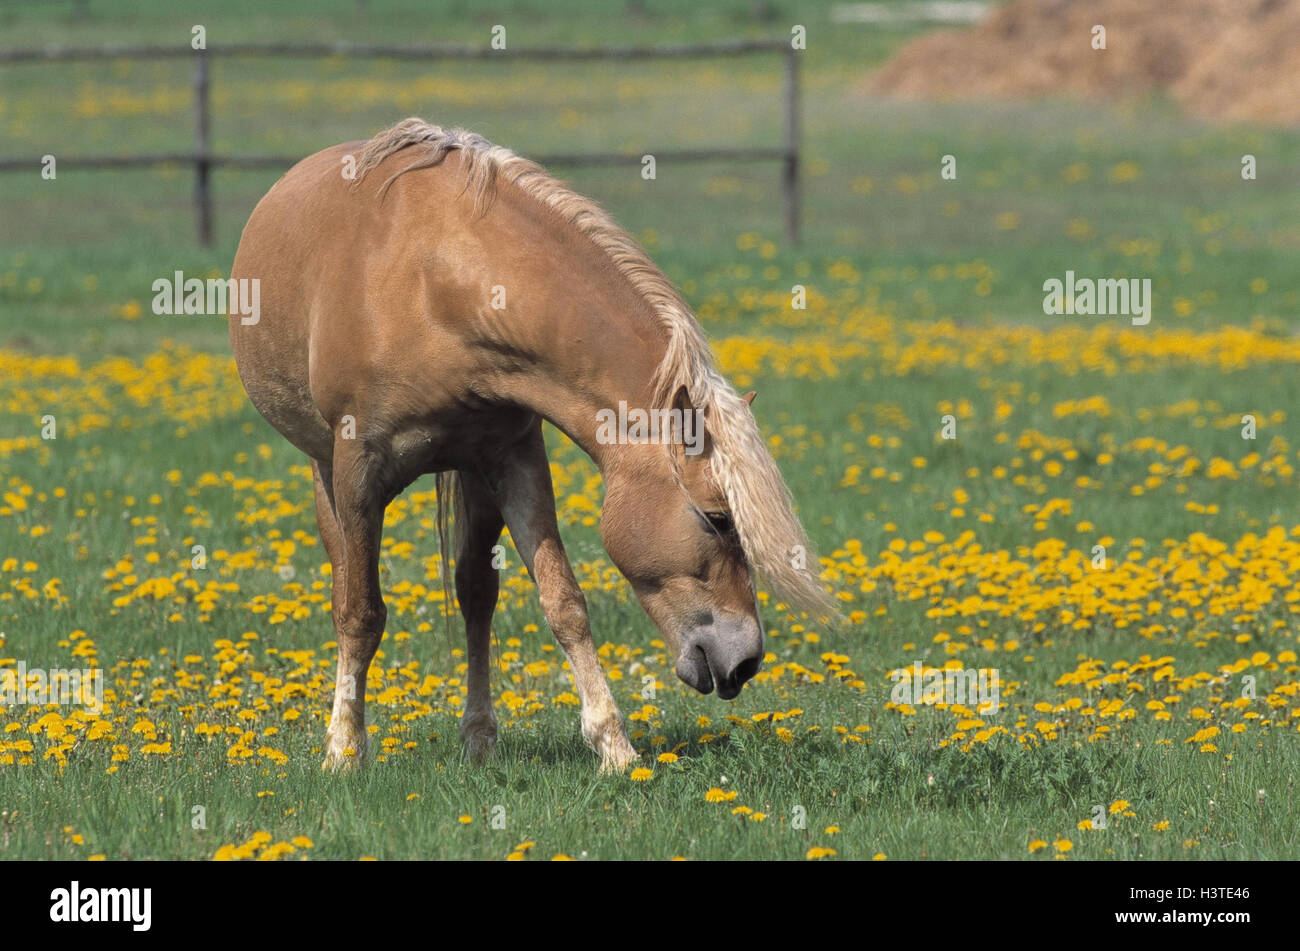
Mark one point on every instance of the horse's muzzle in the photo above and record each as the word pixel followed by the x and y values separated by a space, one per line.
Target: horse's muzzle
pixel 725 653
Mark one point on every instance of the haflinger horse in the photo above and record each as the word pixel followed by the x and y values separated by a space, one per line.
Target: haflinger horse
pixel 427 299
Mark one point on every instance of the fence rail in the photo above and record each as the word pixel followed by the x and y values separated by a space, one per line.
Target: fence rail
pixel 57 51
pixel 204 160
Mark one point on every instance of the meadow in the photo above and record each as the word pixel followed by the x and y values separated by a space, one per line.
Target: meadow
pixel 1158 687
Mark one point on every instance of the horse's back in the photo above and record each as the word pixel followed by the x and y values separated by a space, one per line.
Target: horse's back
pixel 372 301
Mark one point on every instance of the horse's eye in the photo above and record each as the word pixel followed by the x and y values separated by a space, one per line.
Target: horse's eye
pixel 721 522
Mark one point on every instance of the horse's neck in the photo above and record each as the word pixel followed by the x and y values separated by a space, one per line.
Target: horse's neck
pixel 590 339
pixel 596 346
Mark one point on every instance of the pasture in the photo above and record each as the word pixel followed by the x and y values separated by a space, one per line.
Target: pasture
pixel 1161 685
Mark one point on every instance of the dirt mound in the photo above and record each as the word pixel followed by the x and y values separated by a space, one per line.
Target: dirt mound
pixel 1252 71
pixel 1236 59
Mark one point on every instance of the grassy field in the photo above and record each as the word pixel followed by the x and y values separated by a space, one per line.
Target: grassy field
pixel 1162 686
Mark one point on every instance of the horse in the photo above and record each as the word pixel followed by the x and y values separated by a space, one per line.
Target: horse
pixel 427 299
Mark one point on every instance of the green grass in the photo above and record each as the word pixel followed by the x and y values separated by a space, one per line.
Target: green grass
pixel 885 240
pixel 979 807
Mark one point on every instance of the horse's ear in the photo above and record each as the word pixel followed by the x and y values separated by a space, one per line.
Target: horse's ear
pixel 749 397
pixel 690 439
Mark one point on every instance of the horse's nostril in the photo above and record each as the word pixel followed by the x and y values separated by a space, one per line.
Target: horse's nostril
pixel 701 619
pixel 745 670
pixel 729 686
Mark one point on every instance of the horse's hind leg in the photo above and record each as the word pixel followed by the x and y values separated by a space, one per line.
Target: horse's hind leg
pixel 359 612
pixel 478 527
pixel 332 538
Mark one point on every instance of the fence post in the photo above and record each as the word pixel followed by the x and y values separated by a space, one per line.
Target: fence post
pixel 790 163
pixel 202 153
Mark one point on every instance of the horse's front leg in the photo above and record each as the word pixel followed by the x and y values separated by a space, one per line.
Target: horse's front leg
pixel 522 486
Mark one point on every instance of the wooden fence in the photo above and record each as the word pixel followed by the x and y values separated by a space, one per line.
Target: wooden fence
pixel 205 160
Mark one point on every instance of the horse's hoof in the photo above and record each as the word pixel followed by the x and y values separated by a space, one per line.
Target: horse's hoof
pixel 341 757
pixel 617 755
pixel 480 748
pixel 479 735
pixel 345 763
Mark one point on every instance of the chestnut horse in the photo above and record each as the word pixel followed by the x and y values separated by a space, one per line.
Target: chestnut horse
pixel 427 299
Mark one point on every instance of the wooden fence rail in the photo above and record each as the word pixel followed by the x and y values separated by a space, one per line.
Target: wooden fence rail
pixel 205 160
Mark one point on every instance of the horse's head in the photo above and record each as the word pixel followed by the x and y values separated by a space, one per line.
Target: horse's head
pixel 669 527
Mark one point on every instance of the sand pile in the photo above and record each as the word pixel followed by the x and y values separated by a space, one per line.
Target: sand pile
pixel 1234 59
pixel 1252 70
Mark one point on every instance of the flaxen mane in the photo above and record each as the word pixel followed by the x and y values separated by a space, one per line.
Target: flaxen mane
pixel 760 503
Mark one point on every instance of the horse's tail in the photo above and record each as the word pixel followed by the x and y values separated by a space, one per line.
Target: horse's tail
pixel 450 504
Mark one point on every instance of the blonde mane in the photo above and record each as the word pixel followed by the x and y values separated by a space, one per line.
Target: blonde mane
pixel 760 502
